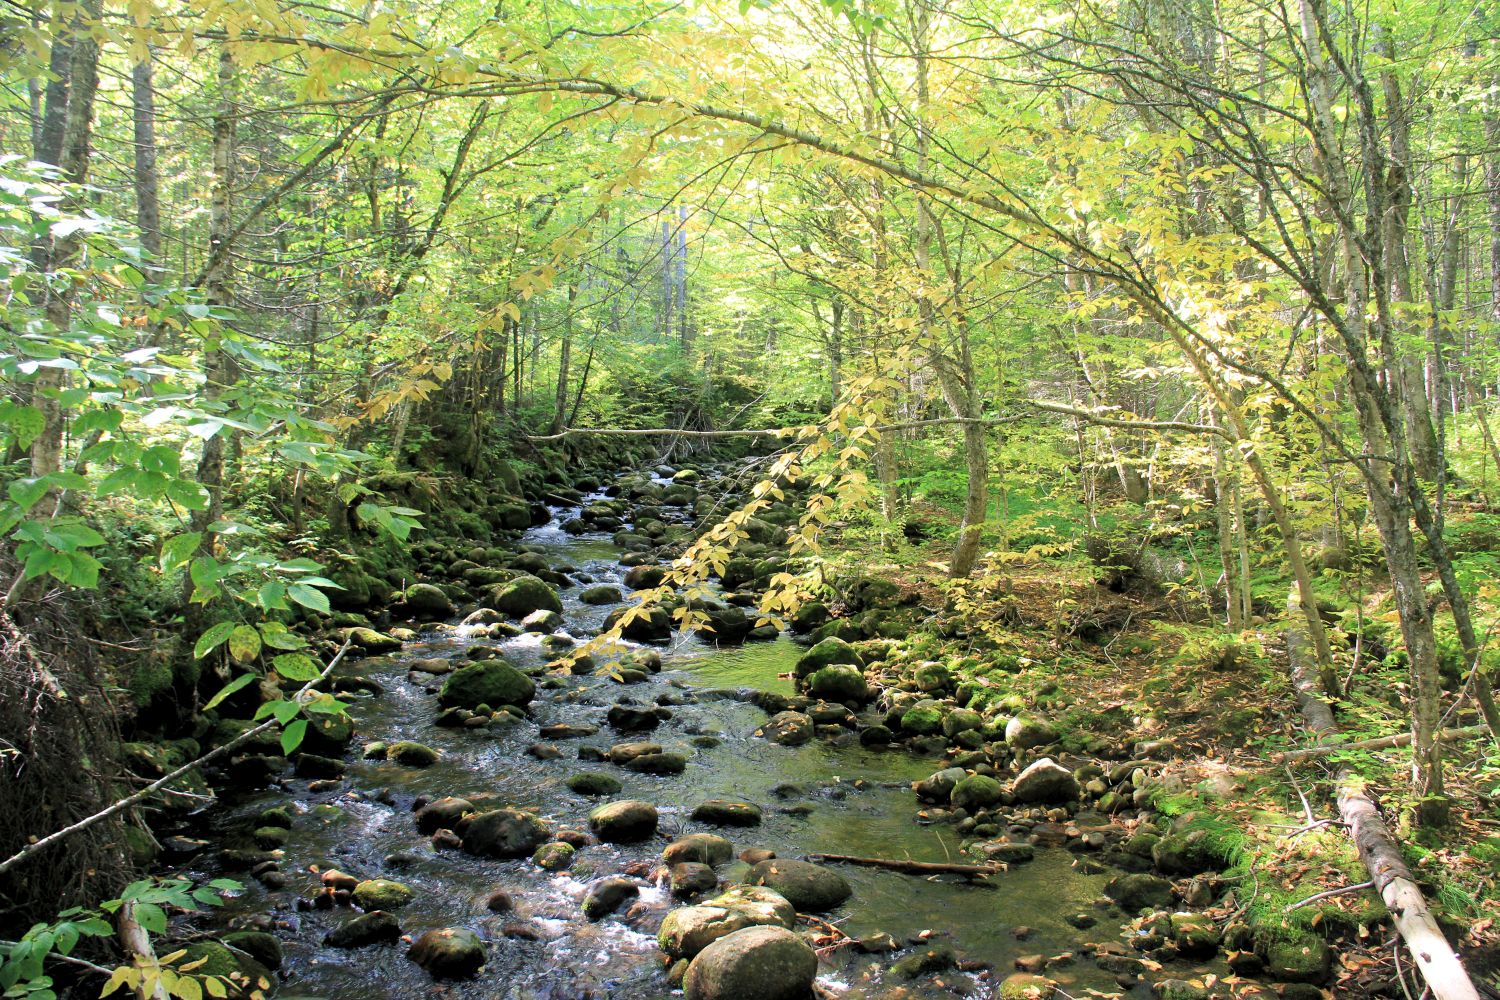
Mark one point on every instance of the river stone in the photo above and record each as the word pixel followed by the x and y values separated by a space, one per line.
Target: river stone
pixel 644 577
pixel 382 894
pixel 635 718
pixel 504 833
pixel 961 720
pixel 923 719
pixel 554 856
pixel 625 822
pixel 265 948
pixel 688 930
pixel 444 812
pixel 653 626
pixel 489 682
pixel 311 765
pixel 594 783
pixel 624 753
pixel 377 927
pixel 689 878
pixel 1179 989
pixel 1022 733
pixel 368 641
pixel 938 786
pixel 666 762
pixel 1182 855
pixel 725 812
pixel 705 848
pixel 1025 986
pixel 411 754
pixel 543 621
pixel 604 593
pixel 825 654
pixel 767 963
pixel 1304 959
pixel 607 895
pixel 525 594
pixel 788 728
pixel 216 958
pixel 839 682
pixel 1134 893
pixel 425 602
pixel 448 952
pixel 1046 781
pixel 975 792
pixel 810 888
pixel 1195 935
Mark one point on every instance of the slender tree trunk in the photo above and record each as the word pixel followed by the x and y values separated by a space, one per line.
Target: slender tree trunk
pixel 564 360
pixel 147 184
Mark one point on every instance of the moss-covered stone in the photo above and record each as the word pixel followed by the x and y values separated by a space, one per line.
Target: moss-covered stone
pixel 489 682
pixel 382 894
pixel 826 653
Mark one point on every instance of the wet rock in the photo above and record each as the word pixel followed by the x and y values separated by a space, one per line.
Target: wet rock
pixel 445 812
pixel 961 720
pixel 688 930
pixel 1194 935
pixel 567 731
pixel 624 822
pixel 335 880
pixel 935 957
pixel 577 838
pixel 839 682
pixel 1137 892
pixel 810 888
pixel 366 929
pixel 604 593
pixel 768 963
pixel 499 901
pixel 875 736
pixel 704 848
pixel 259 945
pixel 607 895
pixel 624 753
pixel 1045 781
pixel 1178 989
pixel 482 616
pixel 543 751
pixel 1301 959
pixel 503 833
pixel 1025 986
pixel 525 594
pixel 488 682
pixel 311 765
pixel 215 958
pixel 382 894
pixel 635 719
pixel 825 654
pixel 938 786
pixel 271 836
pixel 690 878
pixel 424 602
pixel 593 783
pixel 788 728
pixel 369 641
pixel 1022 733
pixel 653 626
pixel 644 577
pixel 666 762
pixel 554 857
pixel 542 621
pixel 725 812
pixel 977 791
pixel 922 719
pixel 411 754
pixel 448 953
pixel 1008 853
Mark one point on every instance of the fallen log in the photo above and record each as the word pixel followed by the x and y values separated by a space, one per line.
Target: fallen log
pixel 912 867
pixel 1440 966
pixel 1375 743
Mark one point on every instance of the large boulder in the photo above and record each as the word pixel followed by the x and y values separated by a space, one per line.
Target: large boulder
pixel 607 895
pixel 1023 733
pixel 1046 781
pixel 625 822
pixel 448 952
pixel 825 654
pixel 424 602
pixel 975 792
pixel 653 625
pixel 525 594
pixel 1184 854
pixel 727 812
pixel 504 833
pixel 839 682
pixel 1136 892
pixel 442 813
pixel 688 930
pixel 767 963
pixel 810 888
pixel 488 682
pixel 704 848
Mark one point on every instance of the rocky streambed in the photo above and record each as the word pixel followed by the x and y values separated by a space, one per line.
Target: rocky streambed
pixel 595 831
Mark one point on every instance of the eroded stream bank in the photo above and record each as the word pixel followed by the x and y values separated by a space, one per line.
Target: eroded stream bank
pixel 1064 909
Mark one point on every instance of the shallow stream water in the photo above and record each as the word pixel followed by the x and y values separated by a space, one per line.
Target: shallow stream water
pixel 842 799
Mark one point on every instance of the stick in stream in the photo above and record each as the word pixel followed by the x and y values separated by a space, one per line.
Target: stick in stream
pixel 913 867
pixel 166 779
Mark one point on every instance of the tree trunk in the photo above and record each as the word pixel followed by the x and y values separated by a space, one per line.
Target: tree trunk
pixel 564 360
pixel 147 196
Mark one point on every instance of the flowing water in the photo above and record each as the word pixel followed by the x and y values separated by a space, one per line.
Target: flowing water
pixel 817 797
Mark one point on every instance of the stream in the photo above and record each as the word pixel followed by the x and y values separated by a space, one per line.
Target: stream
pixel 816 797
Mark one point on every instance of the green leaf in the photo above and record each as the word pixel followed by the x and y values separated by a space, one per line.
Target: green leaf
pixel 212 639
pixel 26 492
pixel 188 494
pixel 291 736
pixel 297 667
pixel 228 689
pixel 244 643
pixel 116 481
pixel 27 424
pixel 178 550
pixel 309 597
pixel 151 917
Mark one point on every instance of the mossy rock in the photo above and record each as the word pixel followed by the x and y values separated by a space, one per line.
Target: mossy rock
pixel 839 682
pixel 827 653
pixel 923 719
pixel 525 594
pixel 382 894
pixel 369 641
pixel 411 753
pixel 489 682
